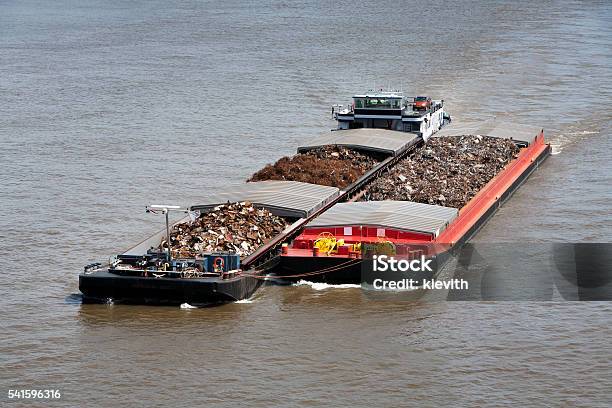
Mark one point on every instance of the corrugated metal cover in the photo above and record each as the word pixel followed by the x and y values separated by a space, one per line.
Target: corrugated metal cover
pixel 384 141
pixel 284 198
pixel 401 215
pixel 494 128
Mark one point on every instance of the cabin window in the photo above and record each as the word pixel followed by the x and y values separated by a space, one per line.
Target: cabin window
pixel 416 126
pixel 378 103
pixel 382 103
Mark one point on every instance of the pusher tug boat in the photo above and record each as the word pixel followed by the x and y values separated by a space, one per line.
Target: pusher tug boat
pixel 393 111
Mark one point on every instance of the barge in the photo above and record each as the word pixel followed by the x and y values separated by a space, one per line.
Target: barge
pixel 147 274
pixel 339 246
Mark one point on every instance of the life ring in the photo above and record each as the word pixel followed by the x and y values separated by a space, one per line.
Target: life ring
pixel 218 267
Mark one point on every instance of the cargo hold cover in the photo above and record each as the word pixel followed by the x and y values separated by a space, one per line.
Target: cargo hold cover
pixel 384 141
pixel 283 198
pixel 400 215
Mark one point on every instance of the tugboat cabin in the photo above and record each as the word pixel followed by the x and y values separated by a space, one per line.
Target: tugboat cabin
pixel 392 110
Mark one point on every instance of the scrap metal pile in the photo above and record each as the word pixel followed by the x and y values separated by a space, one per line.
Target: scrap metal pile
pixel 334 166
pixel 235 227
pixel 447 171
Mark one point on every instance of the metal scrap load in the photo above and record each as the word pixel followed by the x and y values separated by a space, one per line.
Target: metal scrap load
pixel 334 166
pixel 236 227
pixel 447 171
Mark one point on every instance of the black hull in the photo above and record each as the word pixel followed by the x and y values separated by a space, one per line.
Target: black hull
pixel 289 267
pixel 100 286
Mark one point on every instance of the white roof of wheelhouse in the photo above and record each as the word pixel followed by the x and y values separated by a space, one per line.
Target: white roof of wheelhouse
pixel 381 94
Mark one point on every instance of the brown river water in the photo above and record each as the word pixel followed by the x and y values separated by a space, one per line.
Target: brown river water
pixel 108 106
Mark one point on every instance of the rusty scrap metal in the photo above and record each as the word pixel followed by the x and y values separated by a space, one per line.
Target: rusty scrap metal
pixel 334 166
pixel 233 227
pixel 447 171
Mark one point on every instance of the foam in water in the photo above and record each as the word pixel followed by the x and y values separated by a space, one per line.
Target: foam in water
pixel 323 286
pixel 187 306
pixel 244 301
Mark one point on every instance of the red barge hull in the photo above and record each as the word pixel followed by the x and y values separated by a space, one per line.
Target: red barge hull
pixel 296 264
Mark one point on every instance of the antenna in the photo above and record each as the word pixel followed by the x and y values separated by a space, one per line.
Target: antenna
pixel 165 209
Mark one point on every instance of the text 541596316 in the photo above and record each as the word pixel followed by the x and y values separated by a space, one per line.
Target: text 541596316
pixel 34 394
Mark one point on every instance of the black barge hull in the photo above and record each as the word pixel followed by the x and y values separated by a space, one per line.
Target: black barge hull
pixel 104 287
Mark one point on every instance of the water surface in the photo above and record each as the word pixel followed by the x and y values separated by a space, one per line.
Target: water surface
pixel 109 106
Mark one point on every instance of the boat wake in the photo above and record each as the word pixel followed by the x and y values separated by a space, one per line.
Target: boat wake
pixel 561 140
pixel 555 149
pixel 324 286
pixel 575 133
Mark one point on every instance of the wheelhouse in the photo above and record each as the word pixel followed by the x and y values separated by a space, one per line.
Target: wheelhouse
pixel 391 110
